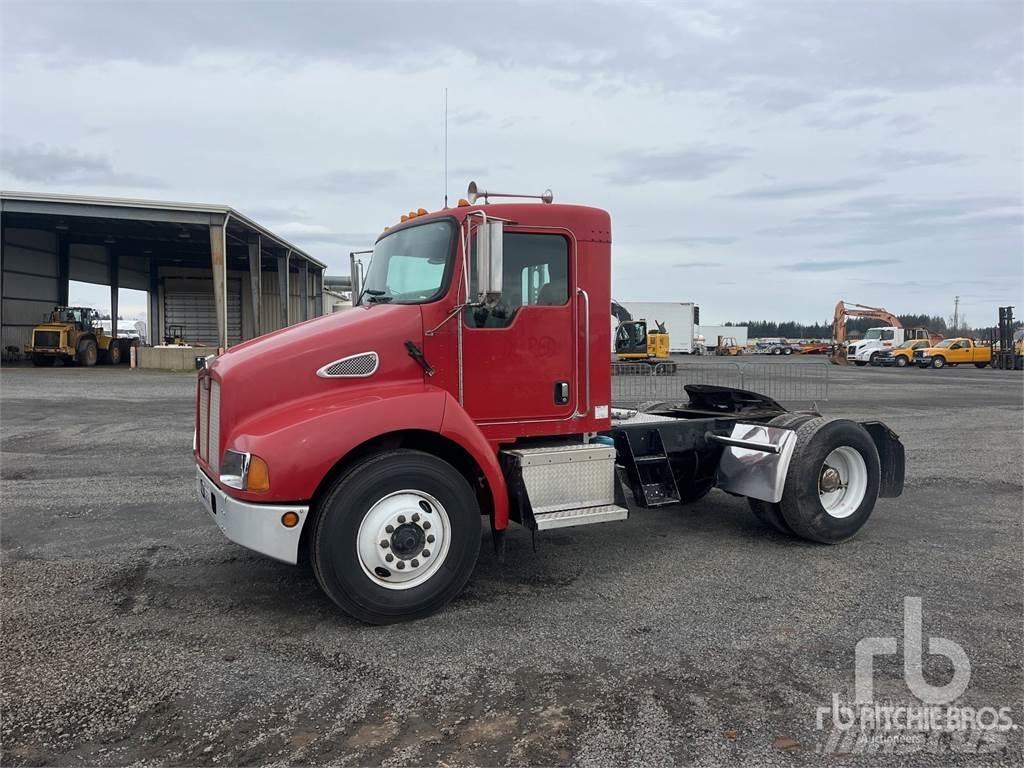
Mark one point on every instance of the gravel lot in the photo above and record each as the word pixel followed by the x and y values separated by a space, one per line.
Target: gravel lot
pixel 133 632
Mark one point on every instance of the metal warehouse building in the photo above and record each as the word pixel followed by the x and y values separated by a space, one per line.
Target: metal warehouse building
pixel 207 268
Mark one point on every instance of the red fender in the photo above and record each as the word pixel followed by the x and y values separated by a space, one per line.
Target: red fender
pixel 302 440
pixel 458 427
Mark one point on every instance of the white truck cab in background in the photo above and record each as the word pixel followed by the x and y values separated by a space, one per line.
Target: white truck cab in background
pixel 875 340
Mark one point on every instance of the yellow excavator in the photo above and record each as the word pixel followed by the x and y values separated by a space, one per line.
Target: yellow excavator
pixel 635 342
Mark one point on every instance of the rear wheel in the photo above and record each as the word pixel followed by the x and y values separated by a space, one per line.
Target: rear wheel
pixel 114 353
pixel 769 513
pixel 87 352
pixel 833 481
pixel 980 365
pixel 396 538
pixel 776 351
pixel 787 351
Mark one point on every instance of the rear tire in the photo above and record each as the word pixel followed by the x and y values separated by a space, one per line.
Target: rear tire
pixel 980 365
pixel 87 352
pixel 769 513
pixel 114 353
pixel 435 521
pixel 825 507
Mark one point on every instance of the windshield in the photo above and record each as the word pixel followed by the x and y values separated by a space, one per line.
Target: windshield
pixel 907 344
pixel 409 266
pixel 873 333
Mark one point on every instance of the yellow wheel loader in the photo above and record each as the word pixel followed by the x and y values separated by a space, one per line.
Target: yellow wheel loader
pixel 75 335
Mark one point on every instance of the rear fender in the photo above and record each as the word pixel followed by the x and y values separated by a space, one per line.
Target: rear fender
pixel 890 458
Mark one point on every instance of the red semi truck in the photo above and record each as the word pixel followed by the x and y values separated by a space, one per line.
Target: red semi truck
pixel 472 383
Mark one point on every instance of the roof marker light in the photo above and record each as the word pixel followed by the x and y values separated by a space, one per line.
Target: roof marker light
pixel 463 202
pixel 405 217
pixel 421 211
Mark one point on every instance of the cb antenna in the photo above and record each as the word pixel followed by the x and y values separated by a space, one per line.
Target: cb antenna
pixel 445 160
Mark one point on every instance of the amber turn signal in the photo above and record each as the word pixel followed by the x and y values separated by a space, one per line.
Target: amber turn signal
pixel 258 478
pixel 290 519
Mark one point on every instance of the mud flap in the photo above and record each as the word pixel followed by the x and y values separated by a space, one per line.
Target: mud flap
pixel 890 457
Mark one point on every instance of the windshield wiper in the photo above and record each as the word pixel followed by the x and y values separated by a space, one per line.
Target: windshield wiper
pixel 374 296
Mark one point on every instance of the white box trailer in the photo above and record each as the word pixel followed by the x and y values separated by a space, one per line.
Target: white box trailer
pixel 712 332
pixel 677 317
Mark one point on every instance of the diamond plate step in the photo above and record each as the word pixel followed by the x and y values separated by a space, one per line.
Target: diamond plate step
pixel 566 518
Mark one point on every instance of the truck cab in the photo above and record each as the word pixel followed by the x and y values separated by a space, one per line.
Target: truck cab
pixel 472 382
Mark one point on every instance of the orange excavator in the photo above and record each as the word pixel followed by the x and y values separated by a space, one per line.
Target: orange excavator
pixel 844 310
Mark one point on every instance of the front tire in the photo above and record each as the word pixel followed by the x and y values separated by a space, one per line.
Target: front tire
pixel 396 537
pixel 901 362
pixel 87 352
pixel 833 481
pixel 939 362
pixel 860 363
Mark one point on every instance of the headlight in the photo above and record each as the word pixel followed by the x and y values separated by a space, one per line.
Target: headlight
pixel 244 472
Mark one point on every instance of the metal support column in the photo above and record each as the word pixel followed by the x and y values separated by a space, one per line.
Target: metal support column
pixel 155 328
pixel 218 261
pixel 282 285
pixel 114 262
pixel 304 290
pixel 318 292
pixel 256 280
pixel 63 269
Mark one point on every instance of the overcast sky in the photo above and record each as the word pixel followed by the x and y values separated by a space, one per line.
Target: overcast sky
pixel 762 158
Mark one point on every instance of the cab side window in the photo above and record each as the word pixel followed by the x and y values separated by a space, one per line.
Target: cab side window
pixel 535 272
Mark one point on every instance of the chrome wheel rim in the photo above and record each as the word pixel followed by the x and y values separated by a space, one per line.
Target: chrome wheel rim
pixel 842 482
pixel 403 539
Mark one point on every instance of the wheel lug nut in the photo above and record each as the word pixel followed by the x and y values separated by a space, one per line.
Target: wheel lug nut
pixel 401 565
pixel 416 518
pixel 384 543
pixel 389 557
pixel 414 563
pixel 430 538
pixel 390 529
pixel 401 518
pixel 426 523
pixel 425 553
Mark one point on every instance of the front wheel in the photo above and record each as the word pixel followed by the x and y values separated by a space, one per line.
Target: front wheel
pixel 939 362
pixel 901 362
pixel 860 363
pixel 833 481
pixel 396 537
pixel 87 352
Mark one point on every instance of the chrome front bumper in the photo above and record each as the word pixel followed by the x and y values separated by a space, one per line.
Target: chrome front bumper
pixel 254 526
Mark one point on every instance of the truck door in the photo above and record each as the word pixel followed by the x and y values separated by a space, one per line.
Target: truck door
pixel 518 356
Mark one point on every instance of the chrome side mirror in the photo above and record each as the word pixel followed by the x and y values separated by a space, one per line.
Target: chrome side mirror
pixel 490 239
pixel 356 271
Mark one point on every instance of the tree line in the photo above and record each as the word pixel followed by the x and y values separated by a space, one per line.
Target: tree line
pixel 793 330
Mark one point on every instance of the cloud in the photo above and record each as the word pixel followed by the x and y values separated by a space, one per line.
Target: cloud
pixel 695 242
pixel 304 232
pixel 696 265
pixel 640 166
pixel 838 264
pixel 351 182
pixel 40 165
pixel 806 189
pixel 909 158
pixel 775 98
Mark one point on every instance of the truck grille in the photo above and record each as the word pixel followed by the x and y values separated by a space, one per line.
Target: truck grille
pixel 208 428
pixel 47 339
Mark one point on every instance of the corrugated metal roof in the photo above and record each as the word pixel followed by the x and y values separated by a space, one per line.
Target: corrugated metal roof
pixel 161 205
